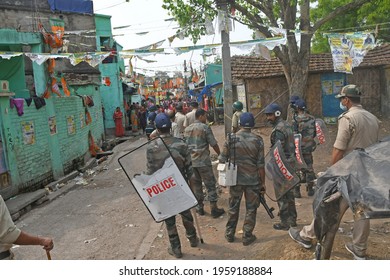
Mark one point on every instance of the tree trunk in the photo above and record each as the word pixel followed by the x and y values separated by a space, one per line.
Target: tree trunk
pixel 295 63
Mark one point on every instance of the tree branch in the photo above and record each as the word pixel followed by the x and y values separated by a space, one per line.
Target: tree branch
pixel 266 7
pixel 253 19
pixel 350 6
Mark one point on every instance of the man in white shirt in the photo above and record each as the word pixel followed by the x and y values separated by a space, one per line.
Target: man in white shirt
pixel 190 117
pixel 179 120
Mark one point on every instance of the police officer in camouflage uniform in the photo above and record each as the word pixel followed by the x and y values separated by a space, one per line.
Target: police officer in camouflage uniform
pixel 237 108
pixel 156 155
pixel 305 125
pixel 246 150
pixel 283 131
pixel 198 137
pixel 292 109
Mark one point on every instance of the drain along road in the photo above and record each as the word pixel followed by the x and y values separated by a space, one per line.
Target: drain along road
pixel 104 219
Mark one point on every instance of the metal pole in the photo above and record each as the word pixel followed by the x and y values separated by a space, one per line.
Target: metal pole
pixel 226 74
pixel 185 78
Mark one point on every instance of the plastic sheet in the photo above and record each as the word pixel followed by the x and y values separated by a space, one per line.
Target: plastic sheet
pixel 363 179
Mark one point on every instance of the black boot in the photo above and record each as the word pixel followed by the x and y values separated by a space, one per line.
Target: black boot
pixel 176 252
pixel 215 211
pixel 310 189
pixel 199 209
pixel 194 240
pixel 297 191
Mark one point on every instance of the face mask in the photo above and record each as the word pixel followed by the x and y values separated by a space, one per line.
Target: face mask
pixel 342 107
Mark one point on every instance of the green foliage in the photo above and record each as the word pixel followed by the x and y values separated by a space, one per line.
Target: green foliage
pixel 328 15
pixel 364 19
pixel 190 15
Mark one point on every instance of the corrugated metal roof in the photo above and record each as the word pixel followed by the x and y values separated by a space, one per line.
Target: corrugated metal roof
pixel 250 67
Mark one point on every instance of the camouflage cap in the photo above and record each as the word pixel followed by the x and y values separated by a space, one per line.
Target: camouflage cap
pixel 349 91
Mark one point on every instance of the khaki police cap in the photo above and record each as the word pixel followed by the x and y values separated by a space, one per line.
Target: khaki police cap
pixel 349 91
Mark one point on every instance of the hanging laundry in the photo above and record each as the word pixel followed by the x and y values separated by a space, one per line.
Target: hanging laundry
pixel 93 148
pixel 54 87
pixel 51 65
pixel 88 101
pixel 39 102
pixel 18 103
pixel 58 29
pixel 88 118
pixel 28 101
pixel 47 92
pixel 65 86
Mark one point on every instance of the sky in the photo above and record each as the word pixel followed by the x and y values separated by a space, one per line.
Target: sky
pixel 148 16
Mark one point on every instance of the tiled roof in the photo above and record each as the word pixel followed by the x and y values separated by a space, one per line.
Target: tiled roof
pixel 247 67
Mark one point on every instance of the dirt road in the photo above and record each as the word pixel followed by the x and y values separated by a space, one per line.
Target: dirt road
pixel 105 219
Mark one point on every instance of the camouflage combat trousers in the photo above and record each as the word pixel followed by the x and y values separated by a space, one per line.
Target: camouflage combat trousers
pixel 188 222
pixel 205 174
pixel 252 201
pixel 287 210
pixel 308 173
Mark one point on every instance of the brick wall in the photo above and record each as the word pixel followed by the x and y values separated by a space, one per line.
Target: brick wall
pixel 34 163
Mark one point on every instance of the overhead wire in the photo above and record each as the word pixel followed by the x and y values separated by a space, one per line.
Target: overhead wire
pixel 111 6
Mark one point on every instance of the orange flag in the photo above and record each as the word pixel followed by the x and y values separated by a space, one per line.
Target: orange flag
pixel 65 86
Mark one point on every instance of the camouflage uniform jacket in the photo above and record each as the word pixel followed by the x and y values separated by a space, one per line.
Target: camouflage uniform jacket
pixel 283 131
pixel 292 114
pixel 156 154
pixel 248 156
pixel 198 137
pixel 306 124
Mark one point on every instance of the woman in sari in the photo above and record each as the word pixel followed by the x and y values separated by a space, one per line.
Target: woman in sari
pixel 134 119
pixel 118 116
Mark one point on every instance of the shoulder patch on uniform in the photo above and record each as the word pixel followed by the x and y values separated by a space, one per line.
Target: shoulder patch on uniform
pixel 343 115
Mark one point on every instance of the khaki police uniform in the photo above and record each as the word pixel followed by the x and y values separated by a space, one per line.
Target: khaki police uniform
pixel 9 233
pixel 190 118
pixel 179 120
pixel 235 119
pixel 358 128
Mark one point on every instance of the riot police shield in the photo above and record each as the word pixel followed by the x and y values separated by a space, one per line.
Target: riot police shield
pixel 321 132
pixel 299 160
pixel 280 171
pixel 157 180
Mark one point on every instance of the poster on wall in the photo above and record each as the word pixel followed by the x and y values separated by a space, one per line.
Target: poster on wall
pixel 28 132
pixel 327 87
pixel 255 101
pixel 71 124
pixel 241 96
pixel 53 125
pixel 82 120
pixel 349 49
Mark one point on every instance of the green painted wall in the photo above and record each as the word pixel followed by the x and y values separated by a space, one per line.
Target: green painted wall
pixel 12 70
pixel 213 73
pixel 103 26
pixel 112 96
pixel 33 165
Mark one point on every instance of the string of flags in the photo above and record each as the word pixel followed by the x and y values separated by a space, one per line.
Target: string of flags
pixel 348 49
